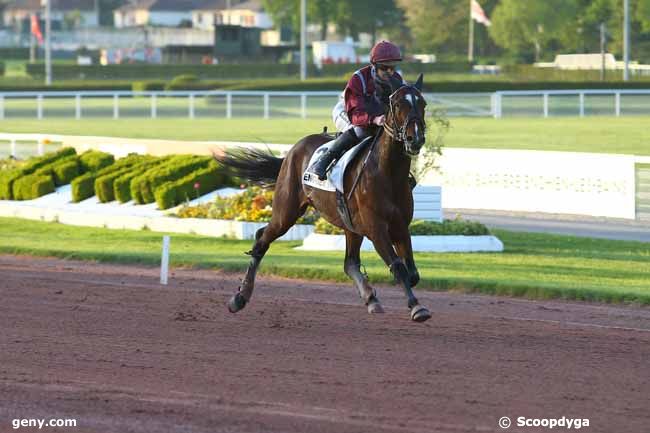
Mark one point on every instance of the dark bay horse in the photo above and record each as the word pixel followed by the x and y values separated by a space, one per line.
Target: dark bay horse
pixel 380 206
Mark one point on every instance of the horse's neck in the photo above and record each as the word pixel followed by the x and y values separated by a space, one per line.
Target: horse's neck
pixel 391 159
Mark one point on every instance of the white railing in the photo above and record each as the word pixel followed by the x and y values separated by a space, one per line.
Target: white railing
pixel 314 104
pixel 551 103
pixel 207 104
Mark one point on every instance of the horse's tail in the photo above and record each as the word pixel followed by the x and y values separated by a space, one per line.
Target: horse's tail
pixel 254 165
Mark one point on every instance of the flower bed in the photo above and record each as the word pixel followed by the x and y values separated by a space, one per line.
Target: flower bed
pixel 253 204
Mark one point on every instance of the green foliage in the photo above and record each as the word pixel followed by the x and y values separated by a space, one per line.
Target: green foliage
pixel 324 227
pixel 2 68
pixel 83 187
pixel 62 170
pixel 94 160
pixel 145 86
pixel 181 82
pixel 32 186
pixel 252 204
pixel 104 185
pixel 450 17
pixel 175 168
pixel 198 182
pixel 122 185
pixel 526 26
pixel 8 178
pixel 455 227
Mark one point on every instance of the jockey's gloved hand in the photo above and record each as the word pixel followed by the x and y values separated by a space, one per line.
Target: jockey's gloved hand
pixel 379 120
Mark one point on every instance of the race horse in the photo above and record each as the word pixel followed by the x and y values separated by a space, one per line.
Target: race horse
pixel 379 198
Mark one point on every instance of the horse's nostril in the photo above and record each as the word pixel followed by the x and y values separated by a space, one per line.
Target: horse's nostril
pixel 409 138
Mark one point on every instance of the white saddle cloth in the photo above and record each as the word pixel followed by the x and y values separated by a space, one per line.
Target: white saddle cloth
pixel 335 176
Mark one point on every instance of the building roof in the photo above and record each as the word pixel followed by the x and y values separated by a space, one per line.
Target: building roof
pixel 57 5
pixel 162 5
pixel 219 5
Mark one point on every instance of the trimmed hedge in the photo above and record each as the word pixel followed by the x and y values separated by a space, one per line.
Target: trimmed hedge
pixel 176 168
pixel 2 69
pixel 94 160
pixel 68 71
pixel 62 170
pixel 8 178
pixel 174 193
pixel 32 186
pixel 105 185
pixel 122 185
pixel 83 187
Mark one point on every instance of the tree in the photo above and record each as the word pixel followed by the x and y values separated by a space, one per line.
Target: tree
pixel 525 27
pixel 643 14
pixel 287 13
pixel 354 17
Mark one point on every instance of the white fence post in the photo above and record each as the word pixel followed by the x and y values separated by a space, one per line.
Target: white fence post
pixel 582 104
pixel 191 105
pixel 154 106
pixel 2 107
pixel 77 106
pixel 303 105
pixel 496 105
pixel 13 152
pixel 164 262
pixel 39 107
pixel 546 105
pixel 229 105
pixel 617 104
pixel 40 147
pixel 116 106
pixel 266 105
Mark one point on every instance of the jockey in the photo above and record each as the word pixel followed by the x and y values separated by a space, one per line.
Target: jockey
pixel 362 103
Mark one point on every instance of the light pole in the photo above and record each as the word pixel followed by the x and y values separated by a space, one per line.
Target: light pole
pixel 303 40
pixel 626 40
pixel 48 42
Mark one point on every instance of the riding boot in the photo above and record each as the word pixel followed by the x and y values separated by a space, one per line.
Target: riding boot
pixel 344 142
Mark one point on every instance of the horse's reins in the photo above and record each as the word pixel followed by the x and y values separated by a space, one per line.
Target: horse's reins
pixel 363 166
pixel 396 132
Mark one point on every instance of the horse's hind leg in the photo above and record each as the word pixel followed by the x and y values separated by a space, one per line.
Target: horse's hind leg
pixel 289 210
pixel 352 267
pixel 398 268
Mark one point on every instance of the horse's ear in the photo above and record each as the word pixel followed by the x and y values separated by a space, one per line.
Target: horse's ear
pixel 418 83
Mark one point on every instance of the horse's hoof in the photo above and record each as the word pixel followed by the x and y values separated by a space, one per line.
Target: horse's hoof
pixel 375 308
pixel 420 314
pixel 236 303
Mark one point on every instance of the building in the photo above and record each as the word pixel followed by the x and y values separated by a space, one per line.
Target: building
pixel 231 13
pixel 169 13
pixel 66 14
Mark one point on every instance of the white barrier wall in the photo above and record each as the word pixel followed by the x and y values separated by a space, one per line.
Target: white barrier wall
pixel 537 181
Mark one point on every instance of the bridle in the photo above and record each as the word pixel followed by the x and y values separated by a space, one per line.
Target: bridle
pixel 396 131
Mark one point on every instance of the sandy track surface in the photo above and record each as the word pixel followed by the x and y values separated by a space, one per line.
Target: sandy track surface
pixel 110 347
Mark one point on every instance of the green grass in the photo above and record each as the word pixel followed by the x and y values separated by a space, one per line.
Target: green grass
pixel 624 135
pixel 533 265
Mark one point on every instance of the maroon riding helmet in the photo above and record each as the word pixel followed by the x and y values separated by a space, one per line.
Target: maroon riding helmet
pixel 385 53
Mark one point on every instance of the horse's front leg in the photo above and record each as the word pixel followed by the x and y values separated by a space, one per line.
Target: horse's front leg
pixel 383 245
pixel 404 249
pixel 352 267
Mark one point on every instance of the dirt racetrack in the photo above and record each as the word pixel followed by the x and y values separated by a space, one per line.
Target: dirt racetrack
pixel 108 346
